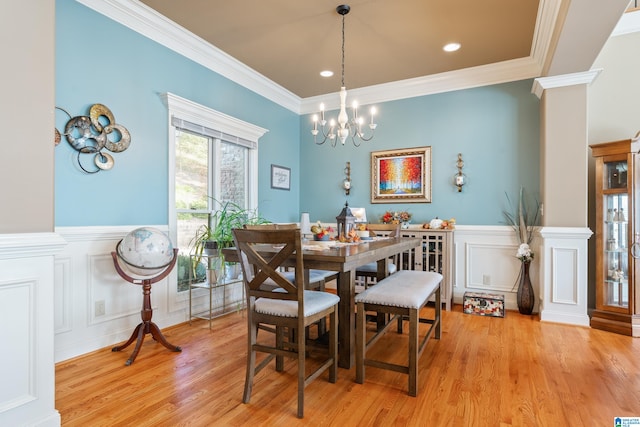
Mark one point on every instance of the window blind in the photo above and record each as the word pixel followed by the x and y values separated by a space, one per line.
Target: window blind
pixel 212 133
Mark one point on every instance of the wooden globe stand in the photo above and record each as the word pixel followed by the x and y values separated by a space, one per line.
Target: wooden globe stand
pixel 147 326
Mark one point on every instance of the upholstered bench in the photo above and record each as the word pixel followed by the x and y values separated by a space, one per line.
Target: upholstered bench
pixel 402 295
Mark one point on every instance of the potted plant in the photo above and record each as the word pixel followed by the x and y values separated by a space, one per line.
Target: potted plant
pixel 217 233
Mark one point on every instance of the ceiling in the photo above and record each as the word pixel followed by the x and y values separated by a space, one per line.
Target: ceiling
pixel 290 42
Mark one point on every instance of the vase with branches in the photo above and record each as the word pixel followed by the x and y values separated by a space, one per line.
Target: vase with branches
pixel 524 218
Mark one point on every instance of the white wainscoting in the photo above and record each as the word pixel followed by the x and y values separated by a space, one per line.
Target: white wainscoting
pixel 485 262
pixel 27 389
pixel 564 259
pixel 85 275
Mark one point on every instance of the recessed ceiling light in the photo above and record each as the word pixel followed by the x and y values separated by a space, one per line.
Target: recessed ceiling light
pixel 451 47
pixel 326 73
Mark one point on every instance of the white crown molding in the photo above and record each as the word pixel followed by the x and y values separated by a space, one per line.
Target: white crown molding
pixel 146 21
pixel 548 11
pixel 542 83
pixel 629 23
pixel 501 72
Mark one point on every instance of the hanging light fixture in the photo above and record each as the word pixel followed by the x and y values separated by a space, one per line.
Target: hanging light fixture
pixel 344 127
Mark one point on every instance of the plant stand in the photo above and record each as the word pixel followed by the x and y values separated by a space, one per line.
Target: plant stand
pixel 215 278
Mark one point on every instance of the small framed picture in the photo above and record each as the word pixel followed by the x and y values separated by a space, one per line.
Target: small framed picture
pixel 280 177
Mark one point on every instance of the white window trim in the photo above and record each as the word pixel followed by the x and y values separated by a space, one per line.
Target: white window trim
pixel 198 114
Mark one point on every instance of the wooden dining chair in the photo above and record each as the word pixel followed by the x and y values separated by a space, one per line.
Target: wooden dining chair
pixel 369 272
pixel 317 278
pixel 289 307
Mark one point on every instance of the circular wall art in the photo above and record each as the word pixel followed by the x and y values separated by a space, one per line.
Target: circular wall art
pixel 93 133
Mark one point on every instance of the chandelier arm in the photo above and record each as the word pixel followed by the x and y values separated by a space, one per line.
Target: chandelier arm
pixel 359 133
pixel 325 135
pixel 361 136
pixel 319 143
pixel 332 140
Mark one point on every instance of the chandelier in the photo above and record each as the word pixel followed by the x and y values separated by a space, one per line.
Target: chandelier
pixel 344 127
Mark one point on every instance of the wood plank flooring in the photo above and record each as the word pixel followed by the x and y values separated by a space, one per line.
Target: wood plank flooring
pixel 512 371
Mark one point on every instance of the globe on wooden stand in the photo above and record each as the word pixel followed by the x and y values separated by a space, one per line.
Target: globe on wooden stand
pixel 145 252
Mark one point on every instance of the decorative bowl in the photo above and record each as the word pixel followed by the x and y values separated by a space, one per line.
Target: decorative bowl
pixel 321 239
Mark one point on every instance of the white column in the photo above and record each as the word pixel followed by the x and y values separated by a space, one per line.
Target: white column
pixel 563 278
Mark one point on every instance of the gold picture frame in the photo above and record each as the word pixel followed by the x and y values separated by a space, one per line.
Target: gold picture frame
pixel 401 176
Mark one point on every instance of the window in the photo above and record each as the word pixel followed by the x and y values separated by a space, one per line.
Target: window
pixel 214 161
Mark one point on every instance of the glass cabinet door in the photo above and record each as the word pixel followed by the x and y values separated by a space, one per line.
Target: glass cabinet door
pixel 617 255
pixel 616 202
pixel 616 291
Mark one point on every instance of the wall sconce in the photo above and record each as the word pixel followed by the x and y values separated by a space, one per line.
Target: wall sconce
pixel 346 184
pixel 459 179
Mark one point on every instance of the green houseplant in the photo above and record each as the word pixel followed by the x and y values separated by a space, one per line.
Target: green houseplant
pixel 217 233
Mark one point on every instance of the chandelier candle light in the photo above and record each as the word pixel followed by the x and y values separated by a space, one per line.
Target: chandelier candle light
pixel 344 127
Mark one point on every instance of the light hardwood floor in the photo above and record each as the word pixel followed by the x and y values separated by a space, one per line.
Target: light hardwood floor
pixel 512 371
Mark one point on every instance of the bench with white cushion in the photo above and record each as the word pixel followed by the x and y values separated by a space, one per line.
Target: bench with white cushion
pixel 402 295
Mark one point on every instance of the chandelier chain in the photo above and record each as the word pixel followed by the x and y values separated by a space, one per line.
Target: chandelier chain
pixel 343 51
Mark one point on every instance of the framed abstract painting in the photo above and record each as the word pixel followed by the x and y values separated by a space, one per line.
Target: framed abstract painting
pixel 401 176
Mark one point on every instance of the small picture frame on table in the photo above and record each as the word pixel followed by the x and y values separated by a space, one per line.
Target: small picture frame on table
pixel 280 177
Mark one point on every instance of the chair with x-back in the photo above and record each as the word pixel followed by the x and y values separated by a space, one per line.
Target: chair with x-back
pixel 369 272
pixel 262 252
pixel 317 278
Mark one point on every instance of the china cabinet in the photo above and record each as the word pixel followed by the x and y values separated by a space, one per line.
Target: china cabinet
pixel 435 254
pixel 617 236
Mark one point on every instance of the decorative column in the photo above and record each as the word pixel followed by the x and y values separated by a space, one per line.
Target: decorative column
pixel 564 192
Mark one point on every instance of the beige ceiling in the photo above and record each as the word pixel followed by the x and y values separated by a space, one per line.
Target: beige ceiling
pixel 291 41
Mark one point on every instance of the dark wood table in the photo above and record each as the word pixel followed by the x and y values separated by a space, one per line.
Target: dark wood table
pixel 344 259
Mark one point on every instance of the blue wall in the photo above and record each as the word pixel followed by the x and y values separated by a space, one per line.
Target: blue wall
pixel 496 128
pixel 101 61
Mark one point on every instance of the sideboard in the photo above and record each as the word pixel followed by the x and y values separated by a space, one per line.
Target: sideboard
pixel 435 254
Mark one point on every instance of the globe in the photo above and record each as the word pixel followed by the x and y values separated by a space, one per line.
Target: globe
pixel 146 251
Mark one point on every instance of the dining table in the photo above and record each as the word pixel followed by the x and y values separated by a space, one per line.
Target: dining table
pixel 344 259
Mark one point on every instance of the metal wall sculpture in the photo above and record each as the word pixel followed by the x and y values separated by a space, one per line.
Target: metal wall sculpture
pixel 92 134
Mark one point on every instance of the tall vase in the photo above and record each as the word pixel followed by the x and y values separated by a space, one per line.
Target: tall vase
pixel 525 297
